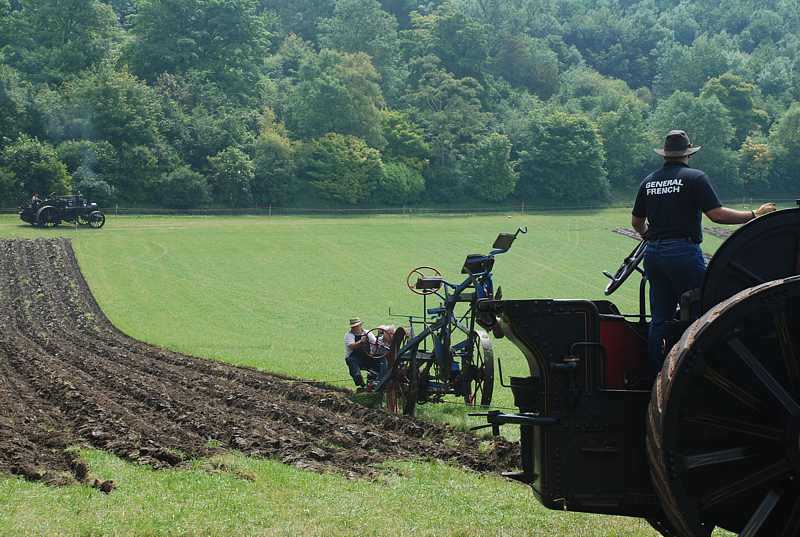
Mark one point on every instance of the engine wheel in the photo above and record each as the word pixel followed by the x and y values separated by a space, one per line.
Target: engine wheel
pixel 48 218
pixel 97 219
pixel 480 373
pixel 763 250
pixel 724 420
pixel 83 219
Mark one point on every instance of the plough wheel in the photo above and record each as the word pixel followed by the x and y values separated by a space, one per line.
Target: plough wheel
pixel 402 389
pixel 723 434
pixel 480 373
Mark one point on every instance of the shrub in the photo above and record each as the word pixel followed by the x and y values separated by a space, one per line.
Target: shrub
pixel 183 188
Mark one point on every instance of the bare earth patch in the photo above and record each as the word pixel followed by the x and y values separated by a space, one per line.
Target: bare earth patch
pixel 720 233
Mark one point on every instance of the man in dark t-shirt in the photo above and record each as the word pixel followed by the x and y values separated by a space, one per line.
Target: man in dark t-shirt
pixel 668 214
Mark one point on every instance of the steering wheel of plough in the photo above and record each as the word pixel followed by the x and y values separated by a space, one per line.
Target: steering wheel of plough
pixel 381 347
pixel 629 265
pixel 418 273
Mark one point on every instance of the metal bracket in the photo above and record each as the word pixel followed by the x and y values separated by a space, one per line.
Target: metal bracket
pixel 500 368
pixel 568 364
pixel 497 418
pixel 502 380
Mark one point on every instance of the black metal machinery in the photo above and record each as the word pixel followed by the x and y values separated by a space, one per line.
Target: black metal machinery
pixel 715 442
pixel 54 210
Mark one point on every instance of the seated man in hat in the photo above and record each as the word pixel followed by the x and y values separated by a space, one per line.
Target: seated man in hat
pixel 668 213
pixel 359 346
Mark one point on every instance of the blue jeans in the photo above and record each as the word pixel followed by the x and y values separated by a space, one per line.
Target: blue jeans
pixel 358 360
pixel 672 267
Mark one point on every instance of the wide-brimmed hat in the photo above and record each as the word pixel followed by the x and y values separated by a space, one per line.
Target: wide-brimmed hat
pixel 355 321
pixel 677 144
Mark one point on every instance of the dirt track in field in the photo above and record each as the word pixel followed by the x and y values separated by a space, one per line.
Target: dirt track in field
pixel 720 233
pixel 68 377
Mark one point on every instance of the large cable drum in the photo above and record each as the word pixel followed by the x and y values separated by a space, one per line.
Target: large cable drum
pixel 763 250
pixel 724 420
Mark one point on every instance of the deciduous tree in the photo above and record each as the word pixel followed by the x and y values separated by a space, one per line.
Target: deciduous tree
pixel 231 173
pixel 337 92
pixel 459 41
pixel 300 17
pixel 529 63
pixel 401 9
pixel 55 39
pixel 784 138
pixel 688 68
pixel 34 167
pixel 626 143
pixel 450 112
pixel 755 163
pixel 621 117
pixel 225 39
pixel 491 173
pixel 362 26
pixel 342 168
pixel 405 141
pixel 562 160
pixel 398 184
pixel 738 96
pixel 92 166
pixel 275 181
pixel 182 188
pixel 618 40
pixel 105 105
pixel 14 104
pixel 116 107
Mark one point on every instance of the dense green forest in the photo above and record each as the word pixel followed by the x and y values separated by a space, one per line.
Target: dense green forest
pixel 244 103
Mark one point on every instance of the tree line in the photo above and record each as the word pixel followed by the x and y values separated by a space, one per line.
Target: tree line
pixel 242 103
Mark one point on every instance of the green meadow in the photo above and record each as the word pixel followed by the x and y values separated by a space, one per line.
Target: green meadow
pixel 276 294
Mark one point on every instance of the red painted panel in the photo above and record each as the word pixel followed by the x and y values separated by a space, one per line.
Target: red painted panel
pixel 625 349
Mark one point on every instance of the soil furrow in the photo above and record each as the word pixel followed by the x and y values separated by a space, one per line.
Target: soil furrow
pixel 69 377
pixel 181 408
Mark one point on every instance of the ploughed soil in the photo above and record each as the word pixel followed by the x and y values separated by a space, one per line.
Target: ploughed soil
pixel 719 232
pixel 68 377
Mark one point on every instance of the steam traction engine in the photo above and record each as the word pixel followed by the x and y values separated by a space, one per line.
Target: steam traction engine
pixel 716 441
pixel 55 210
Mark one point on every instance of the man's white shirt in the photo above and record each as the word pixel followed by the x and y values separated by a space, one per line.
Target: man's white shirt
pixel 350 338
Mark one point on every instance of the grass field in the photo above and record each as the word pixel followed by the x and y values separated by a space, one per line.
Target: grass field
pixel 276 293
